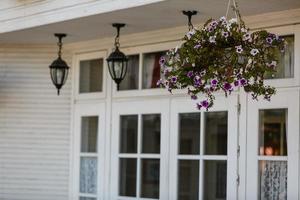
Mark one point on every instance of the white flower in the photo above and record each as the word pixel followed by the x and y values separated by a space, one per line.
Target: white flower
pixel 244 30
pixel 232 21
pixel 239 49
pixel 190 33
pixel 212 39
pixel 247 36
pixel 253 52
pixel 222 19
pixel 272 64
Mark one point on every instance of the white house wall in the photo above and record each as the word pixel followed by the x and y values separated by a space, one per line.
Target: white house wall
pixel 34 127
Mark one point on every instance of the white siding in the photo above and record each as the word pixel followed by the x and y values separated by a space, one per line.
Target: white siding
pixel 34 127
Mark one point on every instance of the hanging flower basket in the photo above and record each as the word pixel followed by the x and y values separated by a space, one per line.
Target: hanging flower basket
pixel 222 56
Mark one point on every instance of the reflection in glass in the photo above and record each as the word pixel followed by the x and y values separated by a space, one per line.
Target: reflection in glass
pixel 215 180
pixel 285 66
pixel 150 178
pixel 127 177
pixel 188 180
pixel 151 69
pixel 88 175
pixel 90 79
pixel 273 180
pixel 151 133
pixel 128 134
pixel 131 80
pixel 215 133
pixel 189 133
pixel 89 132
pixel 272 132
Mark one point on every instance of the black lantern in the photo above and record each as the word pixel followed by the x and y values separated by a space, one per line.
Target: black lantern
pixel 59 68
pixel 117 61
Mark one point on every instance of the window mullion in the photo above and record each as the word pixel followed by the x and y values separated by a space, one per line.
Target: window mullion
pixel 201 165
pixel 138 182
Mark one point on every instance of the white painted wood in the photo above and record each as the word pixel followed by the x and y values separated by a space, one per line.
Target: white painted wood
pixel 284 99
pixel 34 126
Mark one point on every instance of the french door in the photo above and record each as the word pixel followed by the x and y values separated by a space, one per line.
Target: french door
pixel 140 149
pixel 273 147
pixel 203 158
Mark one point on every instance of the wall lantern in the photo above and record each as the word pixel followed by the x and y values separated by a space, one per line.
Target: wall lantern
pixel 59 68
pixel 117 61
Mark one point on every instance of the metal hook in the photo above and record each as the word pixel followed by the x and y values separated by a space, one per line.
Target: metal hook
pixel 118 26
pixel 190 14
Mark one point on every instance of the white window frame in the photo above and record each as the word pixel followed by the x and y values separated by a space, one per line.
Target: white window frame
pixel 139 108
pixel 85 110
pixel 90 56
pixel 284 99
pixel 184 105
pixel 288 82
pixel 141 50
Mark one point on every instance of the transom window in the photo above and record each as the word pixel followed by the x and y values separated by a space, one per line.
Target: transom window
pixel 90 76
pixel 139 156
pixel 202 156
pixel 143 71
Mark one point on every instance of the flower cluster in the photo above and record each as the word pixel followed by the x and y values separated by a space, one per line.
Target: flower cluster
pixel 222 56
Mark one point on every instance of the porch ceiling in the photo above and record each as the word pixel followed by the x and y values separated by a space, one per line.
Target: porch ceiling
pixel 155 16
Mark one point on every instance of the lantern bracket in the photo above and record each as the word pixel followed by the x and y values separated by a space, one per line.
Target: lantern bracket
pixel 190 14
pixel 118 26
pixel 60 36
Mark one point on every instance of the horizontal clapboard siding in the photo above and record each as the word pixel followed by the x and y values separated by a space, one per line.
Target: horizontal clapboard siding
pixel 34 127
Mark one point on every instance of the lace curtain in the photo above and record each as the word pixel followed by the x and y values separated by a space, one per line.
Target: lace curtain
pixel 273 182
pixel 88 175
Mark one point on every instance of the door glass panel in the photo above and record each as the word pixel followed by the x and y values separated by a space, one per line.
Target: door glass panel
pixel 273 180
pixel 89 132
pixel 188 180
pixel 127 181
pixel 91 72
pixel 285 66
pixel 88 175
pixel 151 69
pixel 215 133
pixel 150 178
pixel 151 133
pixel 131 80
pixel 272 132
pixel 215 180
pixel 189 133
pixel 129 133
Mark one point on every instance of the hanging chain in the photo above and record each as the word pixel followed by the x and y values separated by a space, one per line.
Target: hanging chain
pixel 117 39
pixel 59 44
pixel 236 12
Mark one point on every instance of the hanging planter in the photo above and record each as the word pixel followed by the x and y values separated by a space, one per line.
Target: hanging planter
pixel 222 56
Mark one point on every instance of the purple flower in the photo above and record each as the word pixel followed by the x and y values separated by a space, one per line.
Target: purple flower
pixel 214 82
pixel 214 23
pixel 194 97
pixel 166 72
pixel 239 49
pixel 173 79
pixel 190 74
pixel 159 82
pixel 204 103
pixel 253 52
pixel 162 61
pixel 227 86
pixel 269 40
pixel 243 82
pixel 272 64
pixel 247 37
pixel 197 46
pixel 212 39
pixel 225 34
pixel 236 83
pixel 197 81
pixel 190 34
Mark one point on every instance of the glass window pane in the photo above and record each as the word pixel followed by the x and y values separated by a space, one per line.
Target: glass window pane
pixel 189 133
pixel 285 66
pixel 215 133
pixel 188 180
pixel 151 69
pixel 150 178
pixel 273 180
pixel 89 131
pixel 151 133
pixel 87 198
pixel 272 132
pixel 131 80
pixel 215 180
pixel 90 79
pixel 129 130
pixel 88 175
pixel 127 183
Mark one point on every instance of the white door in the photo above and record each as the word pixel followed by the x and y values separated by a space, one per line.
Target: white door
pixel 272 147
pixel 89 146
pixel 140 149
pixel 203 156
